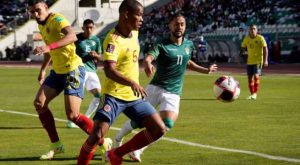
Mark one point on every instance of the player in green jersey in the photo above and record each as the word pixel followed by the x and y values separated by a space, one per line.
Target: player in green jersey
pixel 172 56
pixel 88 47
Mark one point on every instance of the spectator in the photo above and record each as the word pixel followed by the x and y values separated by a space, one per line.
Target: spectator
pixel 202 48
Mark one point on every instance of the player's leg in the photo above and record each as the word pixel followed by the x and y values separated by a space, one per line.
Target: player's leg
pixel 73 96
pixel 169 110
pixel 145 115
pixel 47 92
pixel 250 75
pixel 125 130
pixel 257 71
pixel 92 84
pixel 90 145
pixel 94 103
pixel 104 117
pixel 154 95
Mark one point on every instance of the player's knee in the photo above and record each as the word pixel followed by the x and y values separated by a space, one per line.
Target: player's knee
pixel 160 131
pixel 38 105
pixel 169 123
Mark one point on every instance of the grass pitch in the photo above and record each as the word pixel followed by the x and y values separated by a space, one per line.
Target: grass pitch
pixel 209 132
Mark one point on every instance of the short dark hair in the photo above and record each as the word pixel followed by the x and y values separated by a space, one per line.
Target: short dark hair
pixel 129 5
pixel 175 15
pixel 88 21
pixel 33 2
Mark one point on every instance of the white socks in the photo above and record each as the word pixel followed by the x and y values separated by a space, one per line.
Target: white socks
pixel 92 107
pixel 127 128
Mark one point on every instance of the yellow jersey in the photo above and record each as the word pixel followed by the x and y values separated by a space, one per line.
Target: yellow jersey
pixel 64 59
pixel 125 53
pixel 255 49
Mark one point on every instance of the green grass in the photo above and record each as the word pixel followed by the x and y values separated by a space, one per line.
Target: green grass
pixel 269 125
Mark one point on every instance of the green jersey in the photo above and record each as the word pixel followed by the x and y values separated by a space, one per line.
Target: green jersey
pixel 84 46
pixel 171 60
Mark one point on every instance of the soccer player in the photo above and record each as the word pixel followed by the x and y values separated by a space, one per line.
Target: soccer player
pixel 172 55
pixel 67 73
pixel 88 47
pixel 256 47
pixel 121 90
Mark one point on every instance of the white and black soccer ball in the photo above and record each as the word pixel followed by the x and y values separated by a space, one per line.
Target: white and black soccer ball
pixel 226 89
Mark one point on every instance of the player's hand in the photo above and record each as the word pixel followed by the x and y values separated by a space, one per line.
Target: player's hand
pixel 93 54
pixel 149 69
pixel 39 50
pixel 266 64
pixel 138 90
pixel 41 77
pixel 212 68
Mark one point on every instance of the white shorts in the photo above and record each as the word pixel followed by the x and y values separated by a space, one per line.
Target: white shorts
pixel 166 101
pixel 91 81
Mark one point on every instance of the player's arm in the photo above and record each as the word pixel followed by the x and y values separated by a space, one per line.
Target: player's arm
pixel 193 66
pixel 242 51
pixel 112 73
pixel 46 62
pixel 95 55
pixel 148 66
pixel 69 37
pixel 265 54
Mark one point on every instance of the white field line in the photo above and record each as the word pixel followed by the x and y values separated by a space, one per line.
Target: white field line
pixel 281 158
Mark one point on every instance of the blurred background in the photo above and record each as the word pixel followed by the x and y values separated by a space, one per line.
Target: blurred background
pixel 217 27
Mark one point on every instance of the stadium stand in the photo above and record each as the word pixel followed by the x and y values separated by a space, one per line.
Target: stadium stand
pixel 223 23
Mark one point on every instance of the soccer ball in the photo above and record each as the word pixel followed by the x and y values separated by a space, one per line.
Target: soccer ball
pixel 226 89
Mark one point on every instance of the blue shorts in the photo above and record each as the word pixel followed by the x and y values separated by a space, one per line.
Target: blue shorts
pixel 254 69
pixel 71 82
pixel 110 108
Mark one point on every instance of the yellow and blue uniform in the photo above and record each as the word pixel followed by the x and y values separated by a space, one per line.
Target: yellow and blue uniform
pixel 255 49
pixel 255 53
pixel 124 51
pixel 68 71
pixel 64 59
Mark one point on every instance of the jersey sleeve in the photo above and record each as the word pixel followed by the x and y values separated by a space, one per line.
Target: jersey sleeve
pixel 263 42
pixel 244 45
pixel 111 50
pixel 154 50
pixel 99 47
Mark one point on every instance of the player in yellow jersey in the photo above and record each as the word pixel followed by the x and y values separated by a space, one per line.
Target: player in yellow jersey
pixel 256 47
pixel 121 89
pixel 67 73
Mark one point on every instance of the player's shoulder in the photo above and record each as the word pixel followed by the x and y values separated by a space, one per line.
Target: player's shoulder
pixel 187 41
pixel 80 36
pixel 260 37
pixel 113 35
pixel 57 17
pixel 95 38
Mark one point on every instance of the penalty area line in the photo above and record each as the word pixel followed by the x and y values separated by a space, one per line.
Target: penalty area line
pixel 267 156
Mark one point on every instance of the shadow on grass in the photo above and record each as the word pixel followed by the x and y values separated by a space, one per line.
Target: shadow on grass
pixel 38 159
pixel 24 127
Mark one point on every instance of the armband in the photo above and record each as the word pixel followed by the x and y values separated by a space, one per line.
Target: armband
pixel 53 46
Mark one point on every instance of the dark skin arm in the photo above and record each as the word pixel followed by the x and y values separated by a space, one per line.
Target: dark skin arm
pixel 45 64
pixel 96 56
pixel 112 73
pixel 69 37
